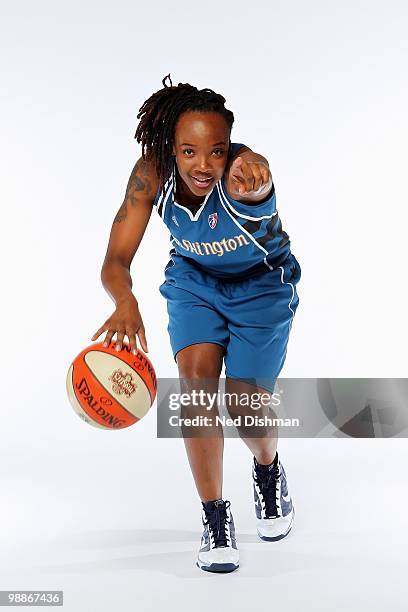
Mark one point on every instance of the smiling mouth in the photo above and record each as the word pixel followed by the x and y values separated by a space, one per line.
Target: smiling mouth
pixel 202 182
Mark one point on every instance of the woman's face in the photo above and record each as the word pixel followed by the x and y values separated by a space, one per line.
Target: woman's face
pixel 201 146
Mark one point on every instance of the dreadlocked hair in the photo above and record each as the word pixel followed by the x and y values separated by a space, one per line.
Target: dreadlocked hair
pixel 158 117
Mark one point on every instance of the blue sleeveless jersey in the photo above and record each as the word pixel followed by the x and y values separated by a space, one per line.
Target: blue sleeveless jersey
pixel 226 238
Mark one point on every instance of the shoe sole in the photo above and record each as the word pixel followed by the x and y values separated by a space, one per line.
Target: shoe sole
pixel 282 535
pixel 219 568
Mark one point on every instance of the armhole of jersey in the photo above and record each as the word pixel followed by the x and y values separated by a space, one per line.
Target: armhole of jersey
pixel 161 196
pixel 156 197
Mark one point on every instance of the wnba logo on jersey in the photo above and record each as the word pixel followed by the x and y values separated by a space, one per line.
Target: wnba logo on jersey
pixel 213 220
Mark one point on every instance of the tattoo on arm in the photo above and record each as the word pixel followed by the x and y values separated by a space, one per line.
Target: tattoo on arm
pixel 138 181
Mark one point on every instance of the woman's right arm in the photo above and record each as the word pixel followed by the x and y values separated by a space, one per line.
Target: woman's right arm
pixel 126 234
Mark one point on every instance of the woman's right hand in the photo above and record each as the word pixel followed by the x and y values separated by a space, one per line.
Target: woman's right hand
pixel 126 320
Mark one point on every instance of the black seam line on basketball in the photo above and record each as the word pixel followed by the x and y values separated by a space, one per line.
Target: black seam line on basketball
pixel 126 363
pixel 108 392
pixel 92 414
pixel 73 387
pixel 103 386
pixel 148 390
pixel 75 394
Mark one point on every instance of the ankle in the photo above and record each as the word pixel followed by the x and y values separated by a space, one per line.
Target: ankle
pixel 211 502
pixel 266 459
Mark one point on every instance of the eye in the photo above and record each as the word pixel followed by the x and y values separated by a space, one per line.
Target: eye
pixel 218 152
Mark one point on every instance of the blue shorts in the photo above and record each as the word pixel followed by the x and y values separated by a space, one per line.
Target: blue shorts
pixel 250 319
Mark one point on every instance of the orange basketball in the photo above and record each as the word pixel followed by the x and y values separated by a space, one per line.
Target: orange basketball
pixel 111 389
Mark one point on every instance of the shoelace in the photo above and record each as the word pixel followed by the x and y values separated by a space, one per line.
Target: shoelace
pixel 266 480
pixel 216 520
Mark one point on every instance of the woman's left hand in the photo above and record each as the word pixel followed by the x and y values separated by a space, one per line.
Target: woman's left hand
pixel 246 178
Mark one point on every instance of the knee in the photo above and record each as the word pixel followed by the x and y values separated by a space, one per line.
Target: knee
pixel 200 362
pixel 198 374
pixel 198 369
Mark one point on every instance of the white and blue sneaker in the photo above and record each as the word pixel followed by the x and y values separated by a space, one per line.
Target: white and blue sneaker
pixel 218 551
pixel 273 504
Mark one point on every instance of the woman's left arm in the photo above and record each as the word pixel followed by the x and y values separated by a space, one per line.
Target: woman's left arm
pixel 248 178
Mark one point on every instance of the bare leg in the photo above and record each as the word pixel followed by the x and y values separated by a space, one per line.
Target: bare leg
pixel 262 441
pixel 199 368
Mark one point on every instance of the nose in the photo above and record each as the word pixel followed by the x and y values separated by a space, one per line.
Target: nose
pixel 203 164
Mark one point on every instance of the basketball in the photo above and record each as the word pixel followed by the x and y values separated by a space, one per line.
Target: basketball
pixel 111 389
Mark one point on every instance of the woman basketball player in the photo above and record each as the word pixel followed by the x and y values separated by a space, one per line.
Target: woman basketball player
pixel 230 287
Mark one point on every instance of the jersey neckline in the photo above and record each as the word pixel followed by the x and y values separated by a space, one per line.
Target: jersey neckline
pixel 193 216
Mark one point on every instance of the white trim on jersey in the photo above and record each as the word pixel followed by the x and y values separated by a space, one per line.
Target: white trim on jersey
pixel 293 292
pixel 240 214
pixel 162 193
pixel 244 230
pixel 165 195
pixel 199 211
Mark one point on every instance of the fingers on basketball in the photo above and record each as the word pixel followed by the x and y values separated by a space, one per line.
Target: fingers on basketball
pixel 119 338
pixel 99 332
pixel 142 338
pixel 121 333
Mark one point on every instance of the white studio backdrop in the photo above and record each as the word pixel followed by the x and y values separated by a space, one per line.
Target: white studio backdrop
pixel 318 88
